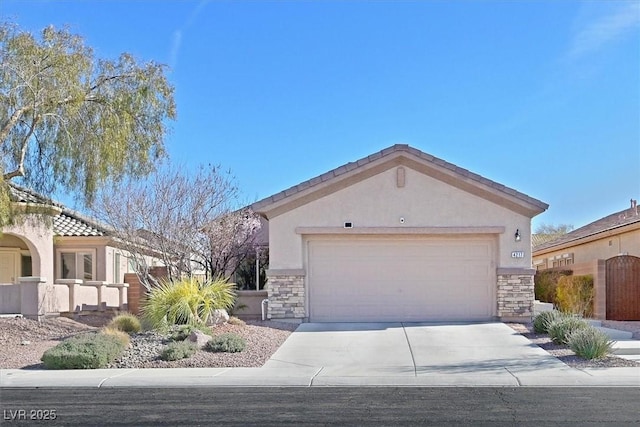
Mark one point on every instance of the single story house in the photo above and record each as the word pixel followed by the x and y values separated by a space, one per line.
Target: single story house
pixel 399 235
pixel 609 250
pixel 69 262
pixel 612 235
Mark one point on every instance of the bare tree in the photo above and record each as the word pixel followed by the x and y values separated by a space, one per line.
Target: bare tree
pixel 185 219
pixel 228 241
pixel 553 230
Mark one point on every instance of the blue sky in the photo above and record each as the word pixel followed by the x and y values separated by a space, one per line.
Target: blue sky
pixel 541 96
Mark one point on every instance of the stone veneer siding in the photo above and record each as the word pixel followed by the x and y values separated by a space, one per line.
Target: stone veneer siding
pixel 515 294
pixel 286 294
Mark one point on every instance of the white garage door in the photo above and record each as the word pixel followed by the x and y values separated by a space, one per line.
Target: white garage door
pixel 401 279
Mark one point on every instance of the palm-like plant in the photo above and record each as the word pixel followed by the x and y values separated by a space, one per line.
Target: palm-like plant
pixel 187 301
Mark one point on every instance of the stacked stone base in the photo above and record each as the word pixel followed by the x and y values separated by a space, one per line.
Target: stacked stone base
pixel 515 294
pixel 286 293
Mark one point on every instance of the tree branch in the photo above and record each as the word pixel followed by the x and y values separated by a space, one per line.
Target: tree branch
pixel 6 128
pixel 19 171
pixel 103 80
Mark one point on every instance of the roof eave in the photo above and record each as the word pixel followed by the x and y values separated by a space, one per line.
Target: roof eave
pixel 354 172
pixel 37 208
pixel 609 232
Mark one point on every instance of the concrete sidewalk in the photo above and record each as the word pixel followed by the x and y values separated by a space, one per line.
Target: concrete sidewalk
pixel 310 377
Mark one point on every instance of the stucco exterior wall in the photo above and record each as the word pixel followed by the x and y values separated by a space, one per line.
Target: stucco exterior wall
pixel 112 256
pixel 378 202
pixel 37 237
pixel 10 241
pixel 606 246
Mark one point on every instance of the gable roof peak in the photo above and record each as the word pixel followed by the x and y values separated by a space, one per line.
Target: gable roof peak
pixel 365 167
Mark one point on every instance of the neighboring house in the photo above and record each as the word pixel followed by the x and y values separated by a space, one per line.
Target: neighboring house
pixel 615 234
pixel 399 235
pixel 64 248
pixel 607 249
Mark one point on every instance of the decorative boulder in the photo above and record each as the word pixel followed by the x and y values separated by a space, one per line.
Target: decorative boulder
pixel 218 317
pixel 200 338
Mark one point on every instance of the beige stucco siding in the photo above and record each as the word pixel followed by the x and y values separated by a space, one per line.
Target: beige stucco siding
pixel 605 246
pixel 9 241
pixel 38 239
pixel 378 202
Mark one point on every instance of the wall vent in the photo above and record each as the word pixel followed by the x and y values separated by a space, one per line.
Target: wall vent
pixel 400 177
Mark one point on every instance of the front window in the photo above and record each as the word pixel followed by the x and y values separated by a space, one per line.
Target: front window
pixel 77 265
pixel 27 265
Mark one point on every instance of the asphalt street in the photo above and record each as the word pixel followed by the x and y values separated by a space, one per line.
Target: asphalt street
pixel 270 406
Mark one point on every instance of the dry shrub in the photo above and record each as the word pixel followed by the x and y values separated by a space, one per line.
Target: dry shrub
pixel 546 282
pixel 574 294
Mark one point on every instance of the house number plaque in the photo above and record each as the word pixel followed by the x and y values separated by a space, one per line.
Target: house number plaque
pixel 517 254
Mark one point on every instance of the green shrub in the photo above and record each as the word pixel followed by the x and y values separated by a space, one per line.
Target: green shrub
pixel 188 301
pixel 574 294
pixel 182 332
pixel 542 321
pixel 590 343
pixel 126 322
pixel 545 283
pixel 122 336
pixel 87 351
pixel 178 350
pixel 227 343
pixel 560 329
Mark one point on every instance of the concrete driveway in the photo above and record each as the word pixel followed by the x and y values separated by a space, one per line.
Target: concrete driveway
pixel 491 353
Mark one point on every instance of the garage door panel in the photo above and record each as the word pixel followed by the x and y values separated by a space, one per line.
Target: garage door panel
pixel 403 279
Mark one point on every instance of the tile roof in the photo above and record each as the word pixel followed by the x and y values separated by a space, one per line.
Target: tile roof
pixel 68 223
pixel 464 174
pixel 611 222
pixel 24 195
pixel 539 239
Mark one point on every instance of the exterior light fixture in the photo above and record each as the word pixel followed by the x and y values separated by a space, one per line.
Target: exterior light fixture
pixel 517 235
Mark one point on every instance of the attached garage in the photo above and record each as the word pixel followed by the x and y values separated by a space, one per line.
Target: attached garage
pixel 399 236
pixel 401 279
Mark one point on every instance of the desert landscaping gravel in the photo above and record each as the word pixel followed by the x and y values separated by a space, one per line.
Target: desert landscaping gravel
pixel 565 354
pixel 23 341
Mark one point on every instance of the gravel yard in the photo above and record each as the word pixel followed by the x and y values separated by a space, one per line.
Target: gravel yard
pixel 564 354
pixel 23 341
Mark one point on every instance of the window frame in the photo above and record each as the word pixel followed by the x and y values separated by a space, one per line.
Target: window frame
pixel 79 260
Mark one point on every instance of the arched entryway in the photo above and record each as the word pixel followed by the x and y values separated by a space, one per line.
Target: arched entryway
pixel 26 250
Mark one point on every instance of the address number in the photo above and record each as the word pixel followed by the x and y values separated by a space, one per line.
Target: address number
pixel 517 254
